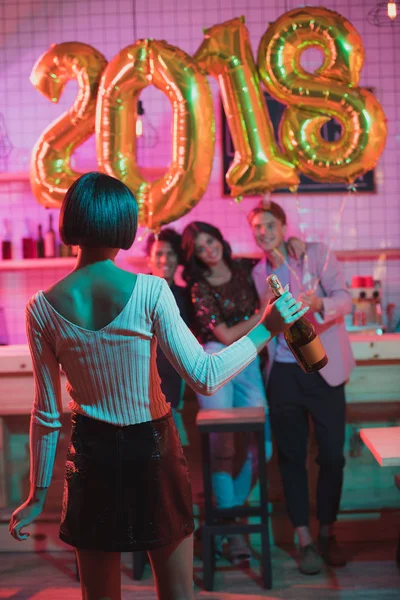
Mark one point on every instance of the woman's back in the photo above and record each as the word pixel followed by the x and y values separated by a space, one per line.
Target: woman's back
pixel 92 296
pixel 107 349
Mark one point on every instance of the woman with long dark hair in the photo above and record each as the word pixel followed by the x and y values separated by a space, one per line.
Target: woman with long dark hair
pixel 126 484
pixel 226 307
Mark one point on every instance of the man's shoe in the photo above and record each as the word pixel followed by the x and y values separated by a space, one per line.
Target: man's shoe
pixel 239 551
pixel 310 562
pixel 330 551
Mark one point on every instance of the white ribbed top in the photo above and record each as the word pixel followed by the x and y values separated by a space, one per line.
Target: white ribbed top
pixel 111 373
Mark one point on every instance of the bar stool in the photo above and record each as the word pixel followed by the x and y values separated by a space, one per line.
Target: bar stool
pixel 250 420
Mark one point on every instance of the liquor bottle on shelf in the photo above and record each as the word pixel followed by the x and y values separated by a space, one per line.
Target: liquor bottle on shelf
pixel 40 243
pixel 50 240
pixel 301 337
pixel 28 245
pixel 6 244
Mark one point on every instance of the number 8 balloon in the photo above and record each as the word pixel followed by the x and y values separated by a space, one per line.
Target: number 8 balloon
pixel 315 98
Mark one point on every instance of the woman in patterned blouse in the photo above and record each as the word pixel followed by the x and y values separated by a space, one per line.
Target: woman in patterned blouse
pixel 226 306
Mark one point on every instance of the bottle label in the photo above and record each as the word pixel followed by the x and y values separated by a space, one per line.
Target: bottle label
pixel 312 352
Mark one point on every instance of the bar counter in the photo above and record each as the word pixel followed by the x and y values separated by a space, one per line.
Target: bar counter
pixel 373 398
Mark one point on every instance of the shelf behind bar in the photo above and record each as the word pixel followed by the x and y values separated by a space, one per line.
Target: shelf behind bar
pixel 140 262
pixel 369 254
pixel 350 255
pixel 16 176
pixel 68 262
pixel 36 263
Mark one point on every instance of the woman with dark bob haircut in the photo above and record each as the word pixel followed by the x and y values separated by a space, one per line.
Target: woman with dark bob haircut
pixel 126 483
pixel 99 211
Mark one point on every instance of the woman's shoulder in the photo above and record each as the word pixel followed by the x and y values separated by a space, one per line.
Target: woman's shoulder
pixel 60 292
pixel 36 309
pixel 33 302
pixel 152 281
pixel 153 290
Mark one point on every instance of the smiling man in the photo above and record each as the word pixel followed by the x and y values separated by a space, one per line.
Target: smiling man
pixel 293 395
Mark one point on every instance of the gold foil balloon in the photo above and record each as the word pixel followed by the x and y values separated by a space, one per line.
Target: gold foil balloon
pixel 258 165
pixel 315 98
pixel 51 172
pixel 193 130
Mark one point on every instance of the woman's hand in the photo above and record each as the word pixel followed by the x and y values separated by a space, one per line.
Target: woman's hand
pixel 296 248
pixel 265 300
pixel 24 516
pixel 280 314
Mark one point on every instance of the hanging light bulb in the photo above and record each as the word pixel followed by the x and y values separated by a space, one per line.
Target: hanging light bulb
pixel 145 130
pixel 392 10
pixel 385 14
pixel 139 121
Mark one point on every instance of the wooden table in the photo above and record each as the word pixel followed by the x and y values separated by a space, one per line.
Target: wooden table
pixel 384 443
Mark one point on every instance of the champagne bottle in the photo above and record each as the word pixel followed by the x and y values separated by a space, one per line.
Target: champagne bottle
pixel 301 337
pixel 50 240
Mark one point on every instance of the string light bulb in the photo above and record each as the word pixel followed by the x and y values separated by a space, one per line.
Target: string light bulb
pixel 146 133
pixel 385 14
pixel 392 10
pixel 139 121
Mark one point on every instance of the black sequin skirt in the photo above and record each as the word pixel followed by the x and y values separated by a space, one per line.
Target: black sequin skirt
pixel 126 488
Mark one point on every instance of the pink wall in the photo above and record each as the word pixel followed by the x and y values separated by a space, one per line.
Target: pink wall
pixel 29 27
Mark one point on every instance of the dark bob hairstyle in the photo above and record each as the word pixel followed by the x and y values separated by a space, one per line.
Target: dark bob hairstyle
pixel 98 211
pixel 166 235
pixel 194 268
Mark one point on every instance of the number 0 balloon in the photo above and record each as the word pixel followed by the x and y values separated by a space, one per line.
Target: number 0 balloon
pixel 176 74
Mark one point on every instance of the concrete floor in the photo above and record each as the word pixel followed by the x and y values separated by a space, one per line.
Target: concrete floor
pixel 371 574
